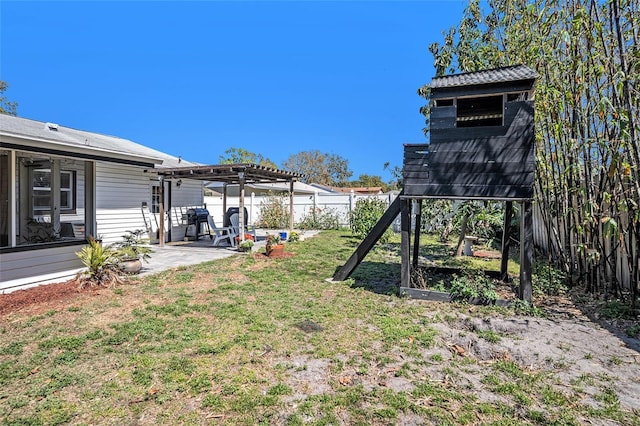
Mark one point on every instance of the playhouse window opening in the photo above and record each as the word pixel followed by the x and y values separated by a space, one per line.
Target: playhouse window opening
pixel 444 102
pixel 517 97
pixel 479 111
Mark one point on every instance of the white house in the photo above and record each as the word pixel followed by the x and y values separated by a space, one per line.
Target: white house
pixel 60 185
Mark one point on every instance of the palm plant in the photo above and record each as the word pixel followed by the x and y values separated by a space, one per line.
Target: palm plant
pixel 101 265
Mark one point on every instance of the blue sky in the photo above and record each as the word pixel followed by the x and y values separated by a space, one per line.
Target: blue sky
pixel 195 78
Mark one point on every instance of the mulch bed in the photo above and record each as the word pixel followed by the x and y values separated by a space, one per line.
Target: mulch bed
pixel 45 295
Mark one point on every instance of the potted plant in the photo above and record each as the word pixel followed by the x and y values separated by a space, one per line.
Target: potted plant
pixel 274 247
pixel 245 245
pixel 246 237
pixel 132 250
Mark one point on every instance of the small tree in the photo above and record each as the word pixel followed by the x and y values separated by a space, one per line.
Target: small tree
pixel 7 106
pixel 240 155
pixel 319 167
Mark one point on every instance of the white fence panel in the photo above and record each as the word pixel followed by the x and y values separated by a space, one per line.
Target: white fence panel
pixel 303 205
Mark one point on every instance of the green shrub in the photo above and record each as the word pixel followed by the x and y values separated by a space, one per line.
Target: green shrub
pixel 365 216
pixel 470 286
pixel 318 218
pixel 548 280
pixel 274 212
pixel 485 220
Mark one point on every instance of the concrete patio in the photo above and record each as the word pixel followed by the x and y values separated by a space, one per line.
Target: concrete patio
pixel 176 254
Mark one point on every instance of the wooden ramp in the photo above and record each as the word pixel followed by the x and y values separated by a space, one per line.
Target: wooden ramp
pixel 370 240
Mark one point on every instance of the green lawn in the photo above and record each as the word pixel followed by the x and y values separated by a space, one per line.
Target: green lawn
pixel 250 340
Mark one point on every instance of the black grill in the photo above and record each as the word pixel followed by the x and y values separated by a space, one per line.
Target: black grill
pixel 197 217
pixel 226 221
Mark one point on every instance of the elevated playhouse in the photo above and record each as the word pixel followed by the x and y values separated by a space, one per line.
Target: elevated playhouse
pixel 481 148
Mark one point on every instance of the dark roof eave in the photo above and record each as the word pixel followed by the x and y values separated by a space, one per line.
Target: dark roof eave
pixel 229 173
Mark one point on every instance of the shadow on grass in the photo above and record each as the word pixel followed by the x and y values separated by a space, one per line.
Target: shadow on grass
pixel 377 277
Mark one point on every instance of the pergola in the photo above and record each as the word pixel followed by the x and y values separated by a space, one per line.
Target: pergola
pixel 240 174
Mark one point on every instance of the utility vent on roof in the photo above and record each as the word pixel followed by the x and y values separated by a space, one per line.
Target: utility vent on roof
pixel 52 126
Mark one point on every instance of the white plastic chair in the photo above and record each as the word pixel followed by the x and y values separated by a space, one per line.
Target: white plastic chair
pixel 235 224
pixel 221 234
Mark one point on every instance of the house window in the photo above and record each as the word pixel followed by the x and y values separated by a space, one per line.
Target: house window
pixel 155 199
pixel 41 191
pixel 479 111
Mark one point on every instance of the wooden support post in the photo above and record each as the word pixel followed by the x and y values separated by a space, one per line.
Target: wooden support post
pixel 224 201
pixel 463 233
pixel 506 239
pixel 291 202
pixel 90 228
pixel 526 251
pixel 241 218
pixel 417 206
pixel 405 245
pixel 168 224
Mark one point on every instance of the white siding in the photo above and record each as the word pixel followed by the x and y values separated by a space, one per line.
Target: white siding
pixel 120 191
pixel 32 267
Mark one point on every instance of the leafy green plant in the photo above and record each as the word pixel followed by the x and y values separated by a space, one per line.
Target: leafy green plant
pixel 522 307
pixel 548 280
pixel 436 217
pixel 320 218
pixel 245 245
pixel 633 331
pixel 473 286
pixel 489 335
pixel 463 288
pixel 365 216
pixel 484 219
pixel 616 309
pixel 294 236
pixel 133 246
pixel 274 212
pixel 273 239
pixel 101 265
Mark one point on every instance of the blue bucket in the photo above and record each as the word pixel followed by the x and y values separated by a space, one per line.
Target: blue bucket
pixel 283 236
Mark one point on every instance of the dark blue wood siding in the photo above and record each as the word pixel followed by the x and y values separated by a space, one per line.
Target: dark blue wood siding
pixel 474 162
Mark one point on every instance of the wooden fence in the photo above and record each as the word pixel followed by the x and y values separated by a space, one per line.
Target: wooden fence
pixel 551 240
